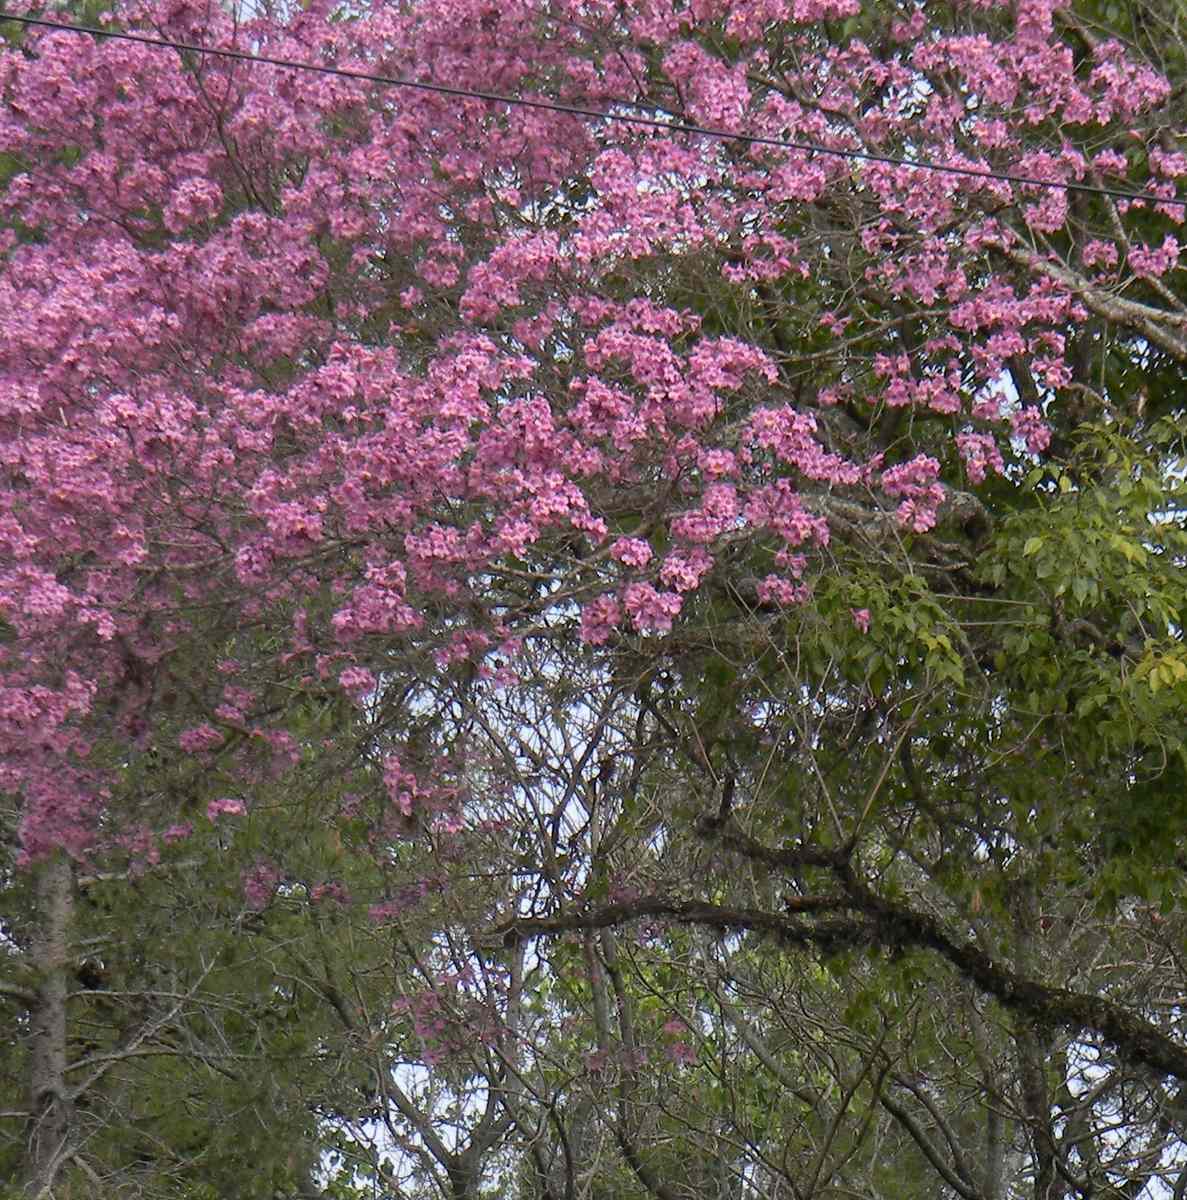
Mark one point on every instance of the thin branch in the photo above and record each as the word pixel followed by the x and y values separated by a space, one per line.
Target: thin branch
pixel 13 991
pixel 927 1146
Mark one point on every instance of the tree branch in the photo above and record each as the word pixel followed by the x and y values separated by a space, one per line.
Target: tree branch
pixel 14 991
pixel 1149 321
pixel 896 928
pixel 927 1146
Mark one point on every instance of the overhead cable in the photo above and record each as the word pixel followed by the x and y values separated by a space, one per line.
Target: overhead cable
pixel 576 110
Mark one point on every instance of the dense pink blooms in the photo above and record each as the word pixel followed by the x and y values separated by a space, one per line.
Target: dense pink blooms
pixel 633 551
pixel 1028 426
pixel 981 455
pixel 776 590
pixel 1155 261
pixel 599 618
pixel 683 570
pixel 390 383
pixel 650 610
pixel 917 482
pixel 358 681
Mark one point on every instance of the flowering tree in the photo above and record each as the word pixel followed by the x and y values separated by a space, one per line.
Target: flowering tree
pixel 727 535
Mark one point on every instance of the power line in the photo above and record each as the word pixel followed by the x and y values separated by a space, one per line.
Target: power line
pixel 576 110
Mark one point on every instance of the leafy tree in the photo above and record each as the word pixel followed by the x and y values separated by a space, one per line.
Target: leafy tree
pixel 546 656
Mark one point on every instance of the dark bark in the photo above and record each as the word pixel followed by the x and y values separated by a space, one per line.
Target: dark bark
pixel 896 928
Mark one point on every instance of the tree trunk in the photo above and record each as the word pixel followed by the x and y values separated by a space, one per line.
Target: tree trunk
pixel 49 1103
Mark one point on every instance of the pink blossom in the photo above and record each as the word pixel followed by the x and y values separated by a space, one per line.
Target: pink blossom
pixel 681 1053
pixel 981 455
pixel 403 787
pixel 196 199
pixel 1028 426
pixel 224 807
pixel 259 884
pixel 200 738
pixel 683 571
pixel 715 464
pixel 650 610
pixel 916 481
pixel 1097 252
pixel 598 620
pixel 1153 263
pixel 179 831
pixel 333 890
pixel 357 681
pixel 633 551
pixel 775 590
pixel 861 618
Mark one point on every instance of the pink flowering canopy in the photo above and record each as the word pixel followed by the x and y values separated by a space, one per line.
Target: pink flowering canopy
pixel 309 384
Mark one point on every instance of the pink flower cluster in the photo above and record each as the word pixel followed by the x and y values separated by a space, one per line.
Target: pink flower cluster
pixel 424 390
pixel 980 454
pixel 226 806
pixel 916 481
pixel 650 610
pixel 200 738
pixel 259 884
pixel 634 552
